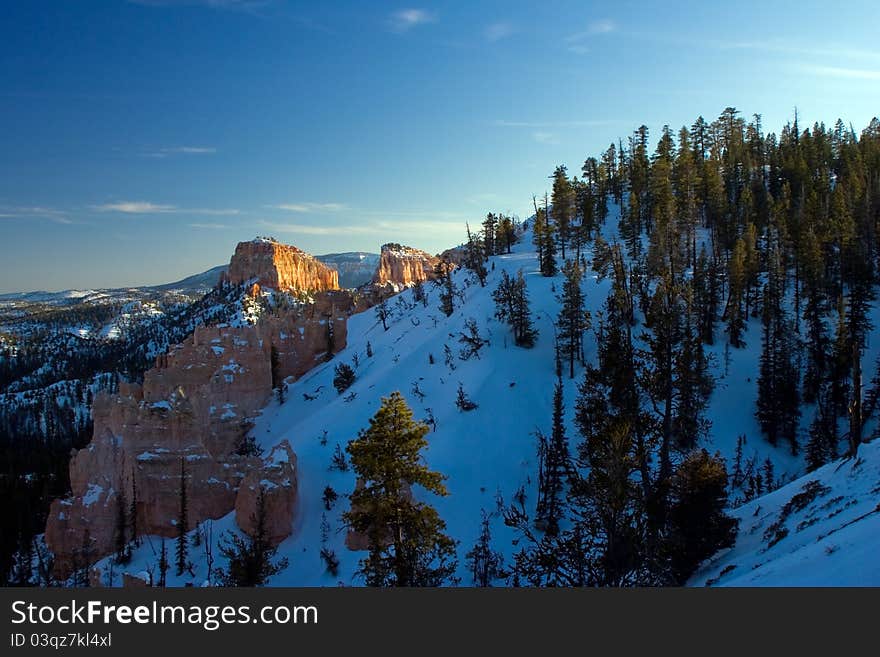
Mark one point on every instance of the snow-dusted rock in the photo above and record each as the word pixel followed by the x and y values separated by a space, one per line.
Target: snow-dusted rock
pixel 277 479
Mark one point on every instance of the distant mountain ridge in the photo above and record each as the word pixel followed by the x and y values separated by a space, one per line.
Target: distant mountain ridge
pixel 355 268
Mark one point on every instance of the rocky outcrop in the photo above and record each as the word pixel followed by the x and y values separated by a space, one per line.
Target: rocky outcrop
pixel 456 255
pixel 183 427
pixel 139 581
pixel 401 266
pixel 279 266
pixel 276 479
pixel 186 424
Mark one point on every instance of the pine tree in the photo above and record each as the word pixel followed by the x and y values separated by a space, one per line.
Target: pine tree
pixel 275 368
pixel 693 382
pixel 407 543
pixel 543 236
pixel 612 505
pixel 506 234
pixel 475 258
pixel 512 306
pixel 443 278
pixel 490 225
pixel 563 206
pixel 663 344
pixel 591 204
pixel 123 554
pixel 182 526
pixel 539 226
pixel 573 318
pixel 343 377
pixel 841 359
pixel 556 467
pixel 737 273
pixel 486 565
pixel 163 564
pixel 698 524
pixel 338 462
pixel 329 497
pixel 251 558
pixel 328 555
pixel 687 191
pixel 778 404
pixel 817 342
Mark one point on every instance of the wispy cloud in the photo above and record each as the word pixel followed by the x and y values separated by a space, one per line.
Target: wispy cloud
pixel 576 42
pixel 404 20
pixel 180 150
pixel 602 26
pixel 543 137
pixel 847 73
pixel 309 207
pixel 828 51
pixel 214 212
pixel 146 207
pixel 208 226
pixel 134 207
pixel 35 212
pixel 500 30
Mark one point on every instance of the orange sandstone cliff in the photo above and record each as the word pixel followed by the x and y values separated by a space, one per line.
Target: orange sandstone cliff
pixel 403 265
pixel 280 267
pixel 186 424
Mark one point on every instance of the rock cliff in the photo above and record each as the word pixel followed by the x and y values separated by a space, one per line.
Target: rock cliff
pixel 401 266
pixel 187 423
pixel 280 267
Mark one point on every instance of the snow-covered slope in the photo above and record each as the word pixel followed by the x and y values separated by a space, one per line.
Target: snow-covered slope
pixel 488 454
pixel 820 530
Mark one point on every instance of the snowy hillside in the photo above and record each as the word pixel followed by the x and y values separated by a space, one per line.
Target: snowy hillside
pixel 820 530
pixel 488 454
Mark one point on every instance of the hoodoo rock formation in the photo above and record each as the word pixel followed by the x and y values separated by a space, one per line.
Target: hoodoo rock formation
pixel 401 266
pixel 280 267
pixel 187 424
pixel 277 482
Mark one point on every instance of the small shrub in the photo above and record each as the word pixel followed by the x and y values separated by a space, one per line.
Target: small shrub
pixel 344 377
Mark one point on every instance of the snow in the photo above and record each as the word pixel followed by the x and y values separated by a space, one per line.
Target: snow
pixel 228 413
pixel 488 454
pixel 111 332
pixel 80 331
pixel 485 453
pixel 832 541
pixel 278 457
pixel 92 494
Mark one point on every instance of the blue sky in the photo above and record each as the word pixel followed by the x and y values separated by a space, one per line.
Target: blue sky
pixel 141 139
